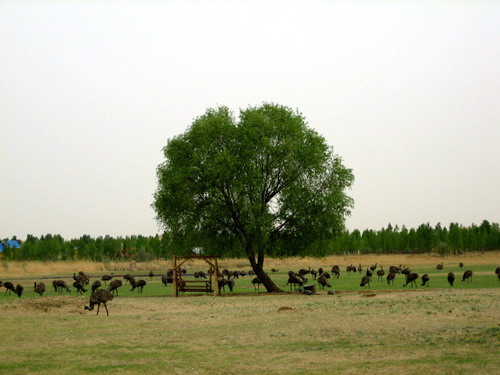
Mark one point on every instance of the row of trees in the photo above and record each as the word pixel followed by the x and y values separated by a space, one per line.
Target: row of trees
pixel 424 239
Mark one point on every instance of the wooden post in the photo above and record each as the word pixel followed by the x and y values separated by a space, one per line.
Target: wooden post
pixel 175 291
pixel 216 278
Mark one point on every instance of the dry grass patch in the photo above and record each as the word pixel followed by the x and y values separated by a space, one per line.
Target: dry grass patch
pixel 438 331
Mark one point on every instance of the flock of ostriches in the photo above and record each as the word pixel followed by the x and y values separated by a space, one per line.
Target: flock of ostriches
pixel 296 280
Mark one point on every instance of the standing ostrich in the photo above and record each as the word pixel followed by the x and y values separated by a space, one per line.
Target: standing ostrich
pixel 411 279
pixel 439 267
pixel 256 283
pixel 100 296
pixel 425 280
pixel 114 285
pixel 461 265
pixel 19 290
pixel 390 278
pixel 380 273
pixel 9 287
pixel 39 288
pixel 467 276
pixel 137 284
pixel 106 278
pixel 451 278
pixel 365 281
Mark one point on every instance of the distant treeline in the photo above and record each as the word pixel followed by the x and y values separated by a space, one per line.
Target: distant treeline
pixel 391 240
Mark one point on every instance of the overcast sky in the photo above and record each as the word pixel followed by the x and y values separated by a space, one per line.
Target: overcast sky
pixel 407 92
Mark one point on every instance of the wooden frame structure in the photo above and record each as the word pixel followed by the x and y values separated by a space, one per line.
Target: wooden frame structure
pixel 206 286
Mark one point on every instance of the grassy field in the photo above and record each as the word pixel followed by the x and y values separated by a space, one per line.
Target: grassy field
pixel 439 330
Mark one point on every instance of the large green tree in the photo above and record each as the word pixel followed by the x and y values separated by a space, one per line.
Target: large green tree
pixel 262 181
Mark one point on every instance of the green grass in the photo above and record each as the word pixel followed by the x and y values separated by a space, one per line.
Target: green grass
pixel 483 277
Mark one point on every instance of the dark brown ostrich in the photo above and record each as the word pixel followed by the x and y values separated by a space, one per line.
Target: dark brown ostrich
pixel 59 285
pixel 137 285
pixel 106 278
pixel 256 283
pixel 274 270
pixel 81 277
pixel 320 271
pixel 451 278
pixel 323 282
pixel 127 278
pixel 114 285
pixel 314 274
pixel 369 272
pixel 9 287
pixel 151 274
pixel 411 279
pixel 425 280
pixel 165 279
pixel 296 281
pixel 406 271
pixel 439 267
pixel 390 278
pixel 100 296
pixel 380 274
pixel 39 288
pixel 467 276
pixel 19 290
pixel 96 285
pixel 80 286
pixel 360 269
pixel 461 265
pixel 373 267
pixel 365 280
pixel 336 271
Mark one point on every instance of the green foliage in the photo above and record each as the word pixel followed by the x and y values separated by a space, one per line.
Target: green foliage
pixel 264 184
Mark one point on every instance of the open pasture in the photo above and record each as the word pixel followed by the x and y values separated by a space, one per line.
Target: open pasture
pixel 436 329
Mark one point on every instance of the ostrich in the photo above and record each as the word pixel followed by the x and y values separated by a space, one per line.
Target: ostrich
pixel 114 285
pixel 256 283
pixel 9 287
pixel 295 281
pixel 369 272
pixel 373 267
pixel 314 274
pixel 366 281
pixel 467 276
pixel 461 265
pixel 390 278
pixel 100 296
pixel 81 277
pixel 274 270
pixel 360 269
pixel 39 288
pixel 151 274
pixel 165 280
pixel 336 271
pixel 106 278
pixel 80 286
pixel 59 285
pixel 139 285
pixel 19 290
pixel 127 278
pixel 439 267
pixel 425 280
pixel 96 285
pixel 320 271
pixel 230 284
pixel 451 278
pixel 323 282
pixel 380 273
pixel 411 279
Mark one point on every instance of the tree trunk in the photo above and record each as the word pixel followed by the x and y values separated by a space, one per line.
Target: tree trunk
pixel 258 268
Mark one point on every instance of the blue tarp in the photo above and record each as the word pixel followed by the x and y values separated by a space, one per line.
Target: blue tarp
pixel 10 244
